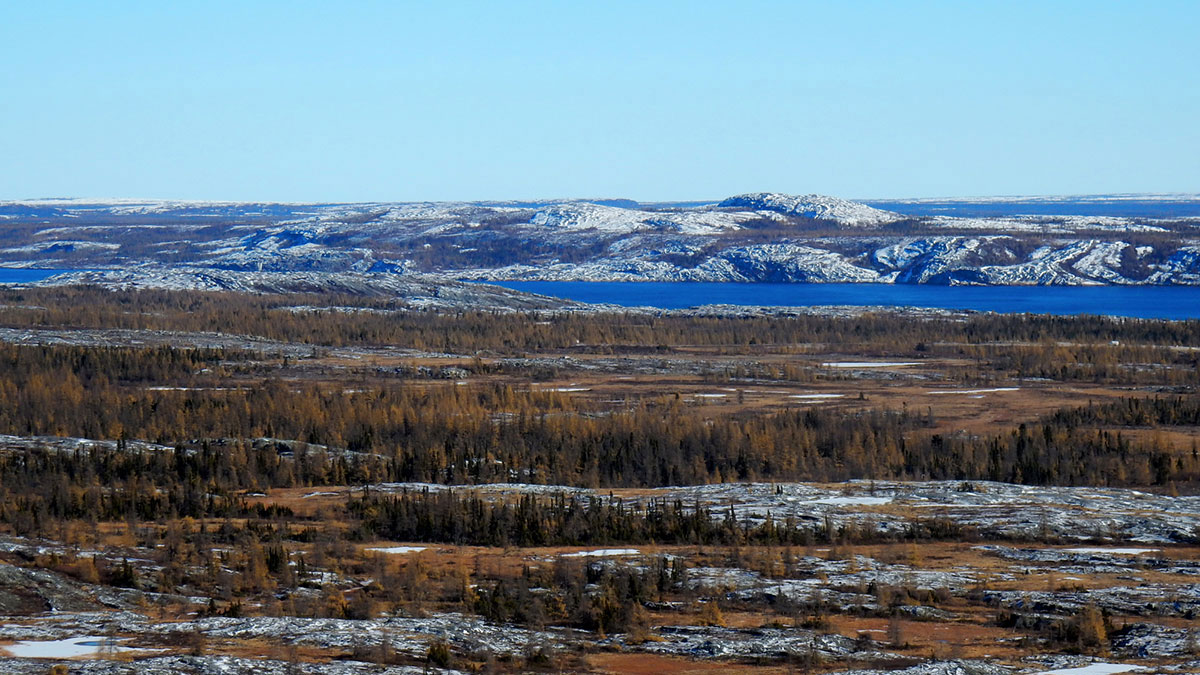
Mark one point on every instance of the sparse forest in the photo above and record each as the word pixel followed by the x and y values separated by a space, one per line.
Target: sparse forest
pixel 262 473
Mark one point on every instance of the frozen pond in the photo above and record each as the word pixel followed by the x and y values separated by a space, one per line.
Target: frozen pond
pixel 1094 669
pixel 70 648
pixel 868 364
pixel 974 391
pixel 603 552
pixel 396 550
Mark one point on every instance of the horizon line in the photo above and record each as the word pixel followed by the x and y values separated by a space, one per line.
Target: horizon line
pixel 1116 196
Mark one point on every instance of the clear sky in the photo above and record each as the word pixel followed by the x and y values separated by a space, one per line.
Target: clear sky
pixel 356 101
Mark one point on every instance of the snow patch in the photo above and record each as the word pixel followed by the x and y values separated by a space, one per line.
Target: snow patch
pixel 70 648
pixel 851 501
pixel 1094 669
pixel 603 553
pixel 1112 551
pixel 396 550
pixel 817 207
pixel 869 364
pixel 974 391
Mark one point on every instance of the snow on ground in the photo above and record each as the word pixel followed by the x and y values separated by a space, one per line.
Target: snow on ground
pixel 217 665
pixel 62 246
pixel 869 364
pixel 70 648
pixel 851 501
pixel 603 553
pixel 777 262
pixel 1095 560
pixel 941 668
pixel 583 216
pixel 407 635
pixel 1094 669
pixel 973 391
pixel 68 444
pixel 1142 599
pixel 1149 640
pixel 733 643
pixel 618 220
pixel 1045 224
pixel 817 207
pixel 1102 262
pixel 995 509
pixel 632 242
pixel 1112 551
pixel 929 258
pixel 396 550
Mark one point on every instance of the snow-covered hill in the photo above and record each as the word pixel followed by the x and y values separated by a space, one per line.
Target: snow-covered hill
pixel 757 237
pixel 816 207
pixel 417 291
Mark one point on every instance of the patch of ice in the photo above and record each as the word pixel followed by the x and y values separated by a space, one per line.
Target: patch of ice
pixel 70 648
pixel 1095 669
pixel 974 391
pixel 396 550
pixel 816 397
pixel 868 364
pixel 1112 551
pixel 603 553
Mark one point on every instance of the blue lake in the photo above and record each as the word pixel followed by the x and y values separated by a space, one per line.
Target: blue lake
pixel 1151 302
pixel 25 275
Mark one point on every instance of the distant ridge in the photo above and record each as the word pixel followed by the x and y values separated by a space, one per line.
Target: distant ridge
pixel 750 238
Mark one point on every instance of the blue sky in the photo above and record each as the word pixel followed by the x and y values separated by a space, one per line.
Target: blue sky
pixel 354 101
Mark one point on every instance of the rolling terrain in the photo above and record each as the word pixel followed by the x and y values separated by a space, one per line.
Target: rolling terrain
pixel 262 438
pixel 760 237
pixel 228 482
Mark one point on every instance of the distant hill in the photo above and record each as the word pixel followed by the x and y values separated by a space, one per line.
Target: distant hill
pixel 755 237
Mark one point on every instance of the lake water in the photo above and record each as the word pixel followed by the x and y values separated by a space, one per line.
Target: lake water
pixel 25 275
pixel 1151 302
